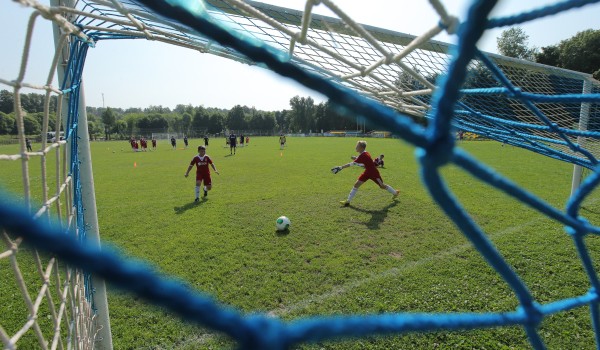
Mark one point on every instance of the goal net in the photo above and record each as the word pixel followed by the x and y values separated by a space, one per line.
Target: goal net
pixel 386 77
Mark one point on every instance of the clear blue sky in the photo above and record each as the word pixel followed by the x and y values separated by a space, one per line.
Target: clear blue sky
pixel 139 73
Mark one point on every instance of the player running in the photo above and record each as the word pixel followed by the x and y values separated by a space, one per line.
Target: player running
pixel 371 173
pixel 201 161
pixel 281 141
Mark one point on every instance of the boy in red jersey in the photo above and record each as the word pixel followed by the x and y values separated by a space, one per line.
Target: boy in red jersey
pixel 202 171
pixel 371 173
pixel 153 143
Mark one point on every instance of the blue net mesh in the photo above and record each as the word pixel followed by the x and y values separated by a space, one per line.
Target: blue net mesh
pixel 475 94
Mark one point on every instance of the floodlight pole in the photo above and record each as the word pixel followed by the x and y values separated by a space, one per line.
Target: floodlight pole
pixel 103 338
pixel 584 117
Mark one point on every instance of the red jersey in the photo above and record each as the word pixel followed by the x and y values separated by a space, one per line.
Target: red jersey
pixel 202 164
pixel 365 159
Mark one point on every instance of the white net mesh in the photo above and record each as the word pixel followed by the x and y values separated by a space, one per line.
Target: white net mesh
pixel 396 69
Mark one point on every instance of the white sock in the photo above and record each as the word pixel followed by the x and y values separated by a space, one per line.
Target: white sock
pixel 352 193
pixel 390 189
pixel 197 191
pixel 205 188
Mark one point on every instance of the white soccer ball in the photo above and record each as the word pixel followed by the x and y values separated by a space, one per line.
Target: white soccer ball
pixel 282 223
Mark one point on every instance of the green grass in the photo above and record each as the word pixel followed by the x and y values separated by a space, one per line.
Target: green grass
pixel 377 256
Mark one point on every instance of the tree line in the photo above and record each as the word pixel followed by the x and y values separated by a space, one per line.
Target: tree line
pixel 303 116
pixel 580 53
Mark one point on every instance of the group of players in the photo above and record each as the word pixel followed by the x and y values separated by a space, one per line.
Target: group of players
pixel 142 146
pixel 231 141
pixel 202 162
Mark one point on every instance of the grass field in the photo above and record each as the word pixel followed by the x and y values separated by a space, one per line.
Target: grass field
pixel 376 256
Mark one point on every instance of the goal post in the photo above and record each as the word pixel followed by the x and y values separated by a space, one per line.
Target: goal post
pixel 101 332
pixel 584 118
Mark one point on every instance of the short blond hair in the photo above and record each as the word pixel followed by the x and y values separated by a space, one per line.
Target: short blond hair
pixel 362 144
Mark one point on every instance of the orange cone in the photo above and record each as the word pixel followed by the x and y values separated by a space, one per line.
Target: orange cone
pixel 135 164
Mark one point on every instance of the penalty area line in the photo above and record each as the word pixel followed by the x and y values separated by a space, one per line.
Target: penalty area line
pixel 395 271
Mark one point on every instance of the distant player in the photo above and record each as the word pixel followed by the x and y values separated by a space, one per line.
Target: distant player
pixel 232 143
pixel 144 144
pixel 379 161
pixel 173 142
pixel 153 143
pixel 281 141
pixel 247 140
pixel 201 161
pixel 205 141
pixel 185 141
pixel 28 144
pixel 242 140
pixel 136 148
pixel 371 173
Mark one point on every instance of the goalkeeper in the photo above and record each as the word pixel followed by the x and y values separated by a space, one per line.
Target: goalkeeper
pixel 371 173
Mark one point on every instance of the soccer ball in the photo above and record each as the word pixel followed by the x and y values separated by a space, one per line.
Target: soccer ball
pixel 282 223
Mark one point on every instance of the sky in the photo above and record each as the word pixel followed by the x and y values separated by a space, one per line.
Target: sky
pixel 140 73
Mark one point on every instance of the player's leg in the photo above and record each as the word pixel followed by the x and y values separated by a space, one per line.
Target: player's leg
pixel 353 191
pixel 388 188
pixel 197 189
pixel 207 185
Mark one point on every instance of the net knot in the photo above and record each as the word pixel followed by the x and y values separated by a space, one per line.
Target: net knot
pixel 533 314
pixel 517 92
pixel 438 152
pixel 574 232
pixel 450 24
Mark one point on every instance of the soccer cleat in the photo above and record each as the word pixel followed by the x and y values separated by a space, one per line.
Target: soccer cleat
pixel 205 193
pixel 396 194
pixel 197 200
pixel 345 203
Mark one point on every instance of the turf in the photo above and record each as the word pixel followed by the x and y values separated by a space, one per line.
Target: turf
pixel 376 256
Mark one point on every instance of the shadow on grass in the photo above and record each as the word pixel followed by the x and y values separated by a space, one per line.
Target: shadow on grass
pixel 282 233
pixel 377 216
pixel 184 208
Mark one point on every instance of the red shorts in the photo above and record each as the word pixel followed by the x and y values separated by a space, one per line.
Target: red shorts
pixel 375 177
pixel 205 178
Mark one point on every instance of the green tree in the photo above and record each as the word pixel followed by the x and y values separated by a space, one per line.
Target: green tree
pixel 109 119
pixel 549 55
pixel 121 128
pixel 32 126
pixel 7 101
pixel 7 124
pixel 32 102
pixel 282 120
pixel 186 122
pixel 182 109
pixel 94 129
pixel 582 52
pixel 302 113
pixel 215 123
pixel 200 119
pixel 514 43
pixel 236 118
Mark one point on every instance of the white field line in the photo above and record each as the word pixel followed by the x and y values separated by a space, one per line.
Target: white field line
pixel 201 339
pixel 395 271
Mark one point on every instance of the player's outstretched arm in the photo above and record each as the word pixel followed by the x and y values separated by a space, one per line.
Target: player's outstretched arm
pixel 215 169
pixel 188 170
